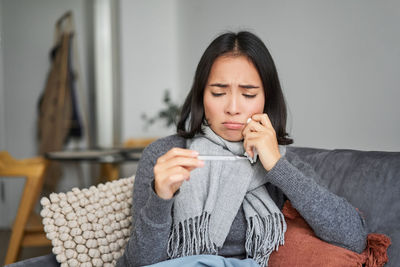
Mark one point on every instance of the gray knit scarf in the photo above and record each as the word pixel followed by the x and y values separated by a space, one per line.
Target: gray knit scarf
pixel 206 205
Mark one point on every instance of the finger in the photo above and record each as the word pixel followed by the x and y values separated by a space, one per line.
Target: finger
pixel 252 135
pixel 171 176
pixel 252 141
pixel 248 143
pixel 263 119
pixel 183 162
pixel 167 186
pixel 191 168
pixel 268 134
pixel 177 175
pixel 175 152
pixel 248 149
pixel 177 179
pixel 252 126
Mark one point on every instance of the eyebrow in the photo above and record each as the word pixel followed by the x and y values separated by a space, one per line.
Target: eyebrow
pixel 245 86
pixel 219 85
pixel 248 86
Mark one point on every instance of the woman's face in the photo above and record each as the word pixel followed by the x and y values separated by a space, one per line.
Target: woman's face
pixel 234 92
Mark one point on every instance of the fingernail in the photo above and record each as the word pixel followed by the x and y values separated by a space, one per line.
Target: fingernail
pixel 195 153
pixel 201 163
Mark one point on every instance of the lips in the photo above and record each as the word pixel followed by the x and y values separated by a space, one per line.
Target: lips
pixel 231 125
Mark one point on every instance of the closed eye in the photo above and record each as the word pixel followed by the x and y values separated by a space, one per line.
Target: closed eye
pixel 218 94
pixel 249 96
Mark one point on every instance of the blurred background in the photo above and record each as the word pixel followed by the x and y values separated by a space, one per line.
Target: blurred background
pixel 338 61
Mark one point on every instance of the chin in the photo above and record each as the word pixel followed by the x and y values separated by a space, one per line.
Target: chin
pixel 232 138
pixel 229 135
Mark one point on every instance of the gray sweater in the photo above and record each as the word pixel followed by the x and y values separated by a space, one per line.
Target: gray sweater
pixel 331 217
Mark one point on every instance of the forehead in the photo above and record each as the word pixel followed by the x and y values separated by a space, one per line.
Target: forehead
pixel 234 67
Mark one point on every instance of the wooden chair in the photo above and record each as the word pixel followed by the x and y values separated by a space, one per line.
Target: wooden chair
pixel 139 142
pixel 27 229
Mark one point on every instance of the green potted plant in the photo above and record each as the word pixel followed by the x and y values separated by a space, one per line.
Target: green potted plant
pixel 169 113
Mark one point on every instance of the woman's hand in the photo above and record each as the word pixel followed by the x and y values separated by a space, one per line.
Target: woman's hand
pixel 172 169
pixel 260 134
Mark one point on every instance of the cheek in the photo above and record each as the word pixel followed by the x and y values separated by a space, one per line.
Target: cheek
pixel 210 108
pixel 257 107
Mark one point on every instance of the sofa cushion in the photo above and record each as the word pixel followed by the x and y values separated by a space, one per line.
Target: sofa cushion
pixel 89 227
pixel 303 248
pixel 369 180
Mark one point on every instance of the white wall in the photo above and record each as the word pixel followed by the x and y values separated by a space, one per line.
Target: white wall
pixel 338 62
pixel 149 53
pixel 2 110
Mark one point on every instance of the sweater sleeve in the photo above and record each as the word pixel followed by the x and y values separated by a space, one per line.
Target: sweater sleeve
pixel 332 218
pixel 151 222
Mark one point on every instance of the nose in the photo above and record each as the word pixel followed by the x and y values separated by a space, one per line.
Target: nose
pixel 232 105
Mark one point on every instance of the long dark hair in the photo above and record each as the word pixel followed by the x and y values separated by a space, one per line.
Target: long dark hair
pixel 237 44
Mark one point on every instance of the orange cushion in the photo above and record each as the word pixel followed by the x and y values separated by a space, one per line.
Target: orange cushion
pixel 303 248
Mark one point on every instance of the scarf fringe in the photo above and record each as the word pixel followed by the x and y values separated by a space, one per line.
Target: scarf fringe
pixel 271 235
pixel 263 235
pixel 191 237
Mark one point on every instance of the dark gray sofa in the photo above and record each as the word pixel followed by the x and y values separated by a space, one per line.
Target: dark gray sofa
pixel 368 180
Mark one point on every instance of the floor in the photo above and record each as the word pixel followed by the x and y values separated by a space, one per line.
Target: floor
pixel 26 253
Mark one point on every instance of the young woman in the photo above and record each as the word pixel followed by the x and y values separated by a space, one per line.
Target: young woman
pixel 184 206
